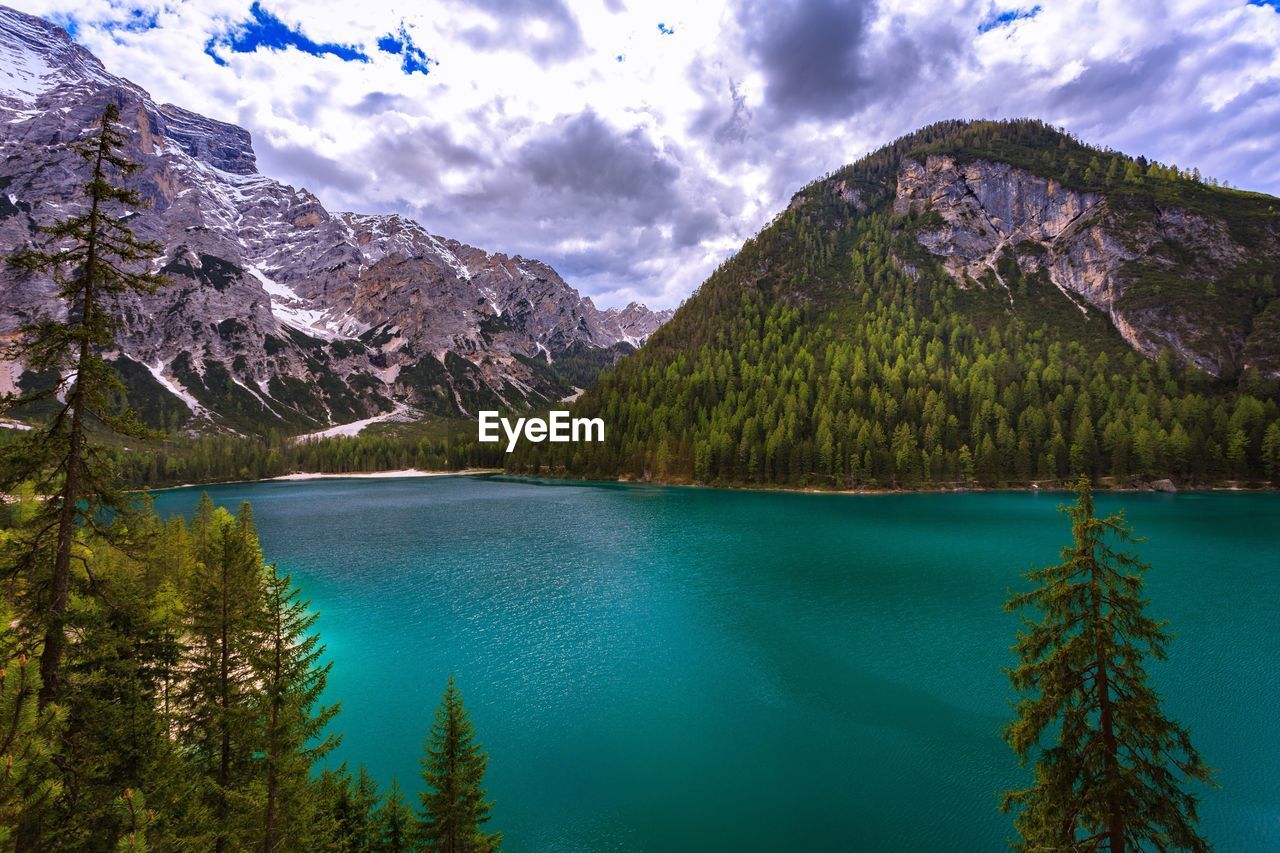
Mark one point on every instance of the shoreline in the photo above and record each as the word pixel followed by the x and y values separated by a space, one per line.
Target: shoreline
pixel 412 473
pixel 301 476
pixel 1033 488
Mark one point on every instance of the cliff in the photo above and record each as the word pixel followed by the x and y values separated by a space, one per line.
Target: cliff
pixel 280 313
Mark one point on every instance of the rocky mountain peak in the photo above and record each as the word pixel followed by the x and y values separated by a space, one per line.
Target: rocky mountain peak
pixel 1104 252
pixel 280 311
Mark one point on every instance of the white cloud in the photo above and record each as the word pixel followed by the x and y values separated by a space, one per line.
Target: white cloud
pixel 674 155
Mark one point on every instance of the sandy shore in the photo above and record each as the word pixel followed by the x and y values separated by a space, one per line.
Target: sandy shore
pixel 367 475
pixel 381 475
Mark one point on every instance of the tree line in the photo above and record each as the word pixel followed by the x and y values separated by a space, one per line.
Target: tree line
pixel 190 714
pixel 833 351
pixel 218 457
pixel 916 395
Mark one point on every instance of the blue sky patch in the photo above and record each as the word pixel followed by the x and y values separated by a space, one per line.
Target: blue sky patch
pixel 1274 4
pixel 413 59
pixel 1004 19
pixel 264 29
pixel 665 30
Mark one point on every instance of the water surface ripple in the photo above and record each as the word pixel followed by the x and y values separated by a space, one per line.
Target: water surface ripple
pixel 661 669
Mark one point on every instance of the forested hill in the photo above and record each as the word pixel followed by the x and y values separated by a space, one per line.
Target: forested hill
pixel 978 302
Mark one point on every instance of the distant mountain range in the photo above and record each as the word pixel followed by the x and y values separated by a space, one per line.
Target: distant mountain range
pixel 281 314
pixel 978 301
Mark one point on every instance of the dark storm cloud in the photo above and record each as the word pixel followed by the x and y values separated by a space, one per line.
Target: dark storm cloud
pixel 561 41
pixel 582 155
pixel 810 52
pixel 824 59
pixel 734 128
pixel 692 226
pixel 607 207
pixel 427 150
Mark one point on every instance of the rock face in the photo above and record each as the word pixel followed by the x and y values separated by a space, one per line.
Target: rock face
pixel 1100 254
pixel 280 313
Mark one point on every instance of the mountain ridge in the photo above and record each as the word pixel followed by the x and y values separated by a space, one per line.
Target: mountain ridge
pixel 976 303
pixel 281 314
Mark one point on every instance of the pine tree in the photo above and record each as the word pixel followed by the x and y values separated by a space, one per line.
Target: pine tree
pixel 453 806
pixel 1271 451
pixel 292 683
pixel 28 736
pixel 395 822
pixel 116 737
pixel 1113 779
pixel 93 258
pixel 135 819
pixel 220 708
pixel 363 830
pixel 347 815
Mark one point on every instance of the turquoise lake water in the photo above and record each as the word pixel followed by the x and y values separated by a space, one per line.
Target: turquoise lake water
pixel 664 669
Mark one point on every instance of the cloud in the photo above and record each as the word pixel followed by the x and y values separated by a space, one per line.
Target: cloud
pixel 310 168
pixel 828 59
pixel 636 178
pixel 809 53
pixel 546 29
pixel 583 156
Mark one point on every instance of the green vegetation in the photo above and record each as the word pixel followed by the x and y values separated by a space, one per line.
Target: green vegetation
pixel 435 444
pixel 833 351
pixel 178 700
pixel 1112 778
pixel 176 705
pixel 454 807
pixel 91 258
pixel 191 715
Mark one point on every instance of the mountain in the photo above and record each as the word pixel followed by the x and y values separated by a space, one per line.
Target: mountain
pixel 280 313
pixel 989 302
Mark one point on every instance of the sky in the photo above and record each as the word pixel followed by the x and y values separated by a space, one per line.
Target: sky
pixel 636 145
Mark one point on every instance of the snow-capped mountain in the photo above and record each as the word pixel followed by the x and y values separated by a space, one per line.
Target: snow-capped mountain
pixel 279 311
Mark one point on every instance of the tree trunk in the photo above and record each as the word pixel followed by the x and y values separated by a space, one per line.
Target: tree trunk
pixel 224 699
pixel 55 636
pixel 1111 762
pixel 273 747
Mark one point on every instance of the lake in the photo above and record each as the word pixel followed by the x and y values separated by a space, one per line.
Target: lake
pixel 664 668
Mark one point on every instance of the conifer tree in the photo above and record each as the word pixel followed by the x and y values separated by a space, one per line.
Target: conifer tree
pixel 292 682
pixel 347 818
pixel 221 710
pixel 94 258
pixel 1113 778
pixel 116 737
pixel 28 736
pixel 395 822
pixel 135 819
pixel 453 806
pixel 363 829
